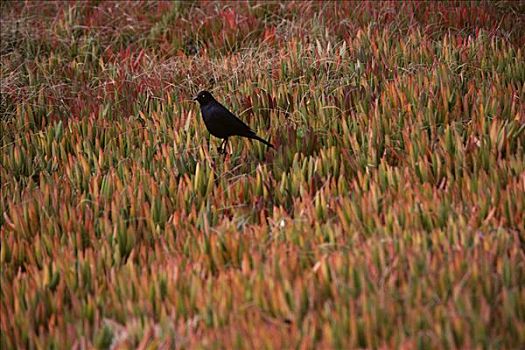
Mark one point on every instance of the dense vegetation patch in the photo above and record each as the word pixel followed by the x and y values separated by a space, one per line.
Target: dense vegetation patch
pixel 392 213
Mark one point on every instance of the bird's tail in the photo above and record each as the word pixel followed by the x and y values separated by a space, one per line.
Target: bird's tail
pixel 255 137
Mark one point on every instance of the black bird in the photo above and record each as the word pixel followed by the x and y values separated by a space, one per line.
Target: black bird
pixel 222 123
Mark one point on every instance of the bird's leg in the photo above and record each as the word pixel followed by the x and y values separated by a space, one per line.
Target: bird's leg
pixel 221 147
pixel 225 145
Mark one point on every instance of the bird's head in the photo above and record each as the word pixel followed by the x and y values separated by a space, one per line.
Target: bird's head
pixel 203 97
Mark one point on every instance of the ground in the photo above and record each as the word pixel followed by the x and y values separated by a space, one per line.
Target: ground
pixel 390 215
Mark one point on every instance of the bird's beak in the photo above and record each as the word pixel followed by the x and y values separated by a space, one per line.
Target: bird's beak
pixel 195 98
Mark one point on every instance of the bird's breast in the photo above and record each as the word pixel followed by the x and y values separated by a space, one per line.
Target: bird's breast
pixel 213 122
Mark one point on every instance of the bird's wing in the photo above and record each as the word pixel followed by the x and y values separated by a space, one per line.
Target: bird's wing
pixel 231 122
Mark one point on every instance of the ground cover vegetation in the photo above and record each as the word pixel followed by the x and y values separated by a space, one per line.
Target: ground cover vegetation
pixel 391 213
